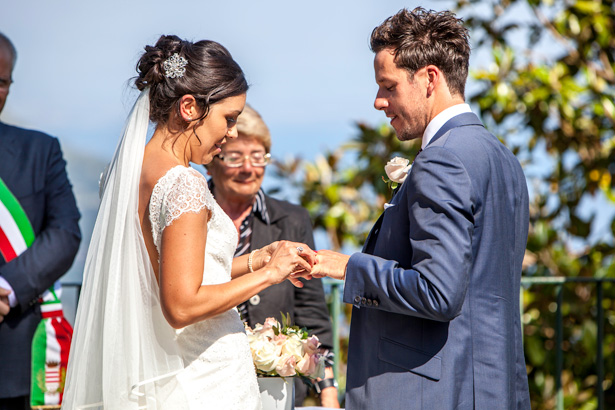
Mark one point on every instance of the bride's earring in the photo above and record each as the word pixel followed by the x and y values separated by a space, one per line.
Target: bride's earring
pixel 189 119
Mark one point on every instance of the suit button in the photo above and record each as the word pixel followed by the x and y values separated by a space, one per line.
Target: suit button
pixel 363 300
pixel 369 302
pixel 376 303
pixel 357 299
pixel 255 300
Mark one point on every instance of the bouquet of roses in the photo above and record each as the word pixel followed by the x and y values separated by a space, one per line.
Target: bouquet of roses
pixel 284 350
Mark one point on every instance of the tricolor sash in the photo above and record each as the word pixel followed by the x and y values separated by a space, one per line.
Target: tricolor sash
pixel 53 335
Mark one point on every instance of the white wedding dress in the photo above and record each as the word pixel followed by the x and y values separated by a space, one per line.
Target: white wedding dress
pixel 124 354
pixel 219 373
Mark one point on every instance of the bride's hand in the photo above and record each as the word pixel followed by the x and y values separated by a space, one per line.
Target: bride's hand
pixel 288 260
pixel 263 255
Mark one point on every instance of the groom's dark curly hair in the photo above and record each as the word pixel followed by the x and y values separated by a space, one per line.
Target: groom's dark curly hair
pixel 420 38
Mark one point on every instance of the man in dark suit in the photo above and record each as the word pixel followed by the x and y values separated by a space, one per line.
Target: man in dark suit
pixel 236 178
pixel 32 168
pixel 435 322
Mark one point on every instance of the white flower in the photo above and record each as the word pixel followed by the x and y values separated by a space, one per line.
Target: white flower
pixel 264 353
pixel 397 169
pixel 284 350
pixel 294 347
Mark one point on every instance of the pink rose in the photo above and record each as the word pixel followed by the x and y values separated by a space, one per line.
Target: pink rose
pixel 286 366
pixel 311 345
pixel 306 365
pixel 270 323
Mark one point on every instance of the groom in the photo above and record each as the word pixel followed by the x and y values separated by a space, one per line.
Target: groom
pixel 435 322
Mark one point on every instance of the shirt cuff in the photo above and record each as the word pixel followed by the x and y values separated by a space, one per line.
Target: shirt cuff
pixel 12 298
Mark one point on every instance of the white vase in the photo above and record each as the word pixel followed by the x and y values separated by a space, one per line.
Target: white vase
pixel 277 393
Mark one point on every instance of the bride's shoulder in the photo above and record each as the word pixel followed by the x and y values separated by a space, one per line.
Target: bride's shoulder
pixel 180 190
pixel 183 178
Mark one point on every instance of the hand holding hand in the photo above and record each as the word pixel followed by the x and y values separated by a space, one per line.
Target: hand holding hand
pixel 331 264
pixel 4 303
pixel 289 260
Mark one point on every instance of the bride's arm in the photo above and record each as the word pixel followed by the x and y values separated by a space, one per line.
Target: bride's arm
pixel 182 253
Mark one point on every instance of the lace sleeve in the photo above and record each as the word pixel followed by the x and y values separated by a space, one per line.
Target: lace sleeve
pixel 180 191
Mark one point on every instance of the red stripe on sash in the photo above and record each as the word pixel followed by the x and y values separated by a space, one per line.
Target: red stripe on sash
pixel 64 335
pixel 6 248
pixel 52 313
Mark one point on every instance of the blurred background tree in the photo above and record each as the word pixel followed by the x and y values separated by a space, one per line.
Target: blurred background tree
pixel 548 92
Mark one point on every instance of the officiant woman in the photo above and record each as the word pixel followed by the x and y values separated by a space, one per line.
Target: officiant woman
pixel 236 178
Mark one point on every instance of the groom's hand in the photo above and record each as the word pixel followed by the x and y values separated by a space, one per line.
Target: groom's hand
pixel 331 264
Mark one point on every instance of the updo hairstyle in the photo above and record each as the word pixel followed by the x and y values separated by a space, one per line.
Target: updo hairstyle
pixel 211 76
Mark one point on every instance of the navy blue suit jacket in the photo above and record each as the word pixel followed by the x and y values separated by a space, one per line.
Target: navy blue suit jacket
pixel 435 322
pixel 32 167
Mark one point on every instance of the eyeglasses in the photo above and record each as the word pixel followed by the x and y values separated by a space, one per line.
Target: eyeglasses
pixel 235 159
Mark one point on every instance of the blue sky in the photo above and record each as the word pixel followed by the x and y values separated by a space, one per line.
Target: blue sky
pixel 308 63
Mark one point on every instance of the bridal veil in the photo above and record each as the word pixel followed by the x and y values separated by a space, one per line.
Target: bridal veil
pixel 123 353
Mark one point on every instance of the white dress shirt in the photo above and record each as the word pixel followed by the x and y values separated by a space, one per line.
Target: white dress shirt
pixel 12 299
pixel 439 120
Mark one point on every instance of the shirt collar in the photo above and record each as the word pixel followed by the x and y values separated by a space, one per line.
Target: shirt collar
pixel 439 120
pixel 259 208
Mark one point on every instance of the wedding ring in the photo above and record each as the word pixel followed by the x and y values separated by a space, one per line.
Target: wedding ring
pixel 299 249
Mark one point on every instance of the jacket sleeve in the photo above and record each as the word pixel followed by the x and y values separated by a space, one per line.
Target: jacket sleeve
pixel 54 248
pixel 311 309
pixel 441 223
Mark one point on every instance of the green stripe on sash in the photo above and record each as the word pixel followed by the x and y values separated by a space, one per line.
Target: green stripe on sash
pixel 39 355
pixel 19 215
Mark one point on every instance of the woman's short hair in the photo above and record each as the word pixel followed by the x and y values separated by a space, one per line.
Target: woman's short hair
pixel 210 76
pixel 251 125
pixel 420 38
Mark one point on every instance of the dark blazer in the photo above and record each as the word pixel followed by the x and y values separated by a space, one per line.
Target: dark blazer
pixel 32 167
pixel 307 306
pixel 435 322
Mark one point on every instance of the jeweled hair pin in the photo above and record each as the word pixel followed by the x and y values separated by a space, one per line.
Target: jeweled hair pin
pixel 175 66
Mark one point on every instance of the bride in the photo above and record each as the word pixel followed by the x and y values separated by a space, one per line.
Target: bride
pixel 156 326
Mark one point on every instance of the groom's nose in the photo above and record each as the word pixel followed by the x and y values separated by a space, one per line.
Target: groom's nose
pixel 380 103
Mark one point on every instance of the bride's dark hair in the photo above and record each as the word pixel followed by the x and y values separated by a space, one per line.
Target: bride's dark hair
pixel 211 75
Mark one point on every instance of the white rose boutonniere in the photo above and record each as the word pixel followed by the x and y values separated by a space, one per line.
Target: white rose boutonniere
pixel 397 171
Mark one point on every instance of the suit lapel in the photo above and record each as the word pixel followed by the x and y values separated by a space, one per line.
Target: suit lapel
pixel 461 120
pixel 370 242
pixel 9 151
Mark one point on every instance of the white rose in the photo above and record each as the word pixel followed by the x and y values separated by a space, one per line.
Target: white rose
pixel 397 169
pixel 265 354
pixel 293 346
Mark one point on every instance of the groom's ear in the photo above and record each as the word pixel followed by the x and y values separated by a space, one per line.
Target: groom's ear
pixel 188 109
pixel 433 76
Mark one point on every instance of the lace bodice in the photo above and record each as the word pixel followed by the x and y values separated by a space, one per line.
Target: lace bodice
pixel 219 372
pixel 182 190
